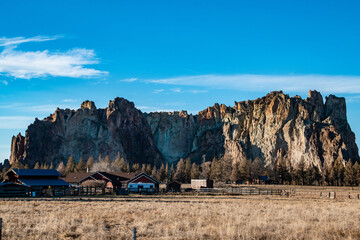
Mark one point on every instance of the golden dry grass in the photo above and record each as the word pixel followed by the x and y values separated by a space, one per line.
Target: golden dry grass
pixel 182 217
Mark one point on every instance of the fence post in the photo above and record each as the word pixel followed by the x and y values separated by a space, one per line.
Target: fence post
pixel 134 233
pixel 0 227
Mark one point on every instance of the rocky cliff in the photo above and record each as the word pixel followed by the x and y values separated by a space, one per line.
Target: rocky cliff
pixel 272 127
pixel 88 131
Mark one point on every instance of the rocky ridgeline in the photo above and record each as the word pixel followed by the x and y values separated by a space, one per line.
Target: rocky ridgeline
pixel 87 132
pixel 272 127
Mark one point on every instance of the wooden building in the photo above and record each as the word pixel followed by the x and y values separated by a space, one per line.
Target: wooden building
pixel 173 187
pixel 110 180
pixel 39 181
pixel 143 183
pixel 10 189
pixel 201 183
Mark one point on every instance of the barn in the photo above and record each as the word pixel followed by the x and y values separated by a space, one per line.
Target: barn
pixel 173 187
pixel 143 183
pixel 9 189
pixel 40 181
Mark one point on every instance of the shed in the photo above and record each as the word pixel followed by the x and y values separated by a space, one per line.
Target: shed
pixel 40 181
pixel 143 183
pixel 201 183
pixel 173 187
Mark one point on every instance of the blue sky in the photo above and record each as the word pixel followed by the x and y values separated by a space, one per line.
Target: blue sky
pixel 172 55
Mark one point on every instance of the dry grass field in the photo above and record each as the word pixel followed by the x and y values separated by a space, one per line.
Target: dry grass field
pixel 182 217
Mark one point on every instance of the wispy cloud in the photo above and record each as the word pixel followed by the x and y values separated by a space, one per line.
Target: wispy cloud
pixel 15 122
pixel 69 100
pixel 18 40
pixel 198 91
pixel 158 91
pixel 256 83
pixel 128 80
pixel 35 64
pixel 4 82
pixel 176 90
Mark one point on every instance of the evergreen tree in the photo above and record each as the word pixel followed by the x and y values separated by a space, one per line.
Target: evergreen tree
pixel 180 171
pixel 135 167
pixel 205 170
pixel 195 171
pixel 235 173
pixel 356 171
pixel 148 169
pixel 37 165
pixel 187 170
pixel 70 165
pixel 314 176
pixel 349 176
pixel 282 170
pixel 143 168
pixel 119 164
pixel 215 170
pixel 80 166
pixel 301 171
pixel 90 162
pixel 167 173
pixel 337 172
pixel 154 173
pixel 51 165
pixel 256 169
pixel 107 160
pixel 162 173
pixel 244 168
pixel 172 173
pixel 61 168
pixel 44 166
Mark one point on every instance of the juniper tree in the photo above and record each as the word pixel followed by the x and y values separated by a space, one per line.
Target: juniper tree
pixel 356 171
pixel 187 170
pixel 349 174
pixel 80 166
pixel 90 162
pixel 180 171
pixel 195 171
pixel 235 173
pixel 70 165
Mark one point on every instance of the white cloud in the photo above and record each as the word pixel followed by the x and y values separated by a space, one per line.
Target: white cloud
pixel 35 64
pixel 198 91
pixel 256 83
pixel 176 90
pixel 68 100
pixel 15 122
pixel 158 91
pixel 18 40
pixel 4 82
pixel 128 80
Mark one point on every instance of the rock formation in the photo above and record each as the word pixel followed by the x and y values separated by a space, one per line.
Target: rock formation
pixel 272 127
pixel 88 131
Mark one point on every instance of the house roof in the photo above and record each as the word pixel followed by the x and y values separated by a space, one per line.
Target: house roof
pixel 36 172
pixel 143 174
pixel 115 177
pixel 44 182
pixel 4 184
pixel 76 176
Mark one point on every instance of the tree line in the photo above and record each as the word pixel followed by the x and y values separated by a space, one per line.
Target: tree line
pixel 221 169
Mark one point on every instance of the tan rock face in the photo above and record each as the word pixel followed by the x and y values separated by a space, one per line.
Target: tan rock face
pixel 266 128
pixel 88 131
pixel 269 127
